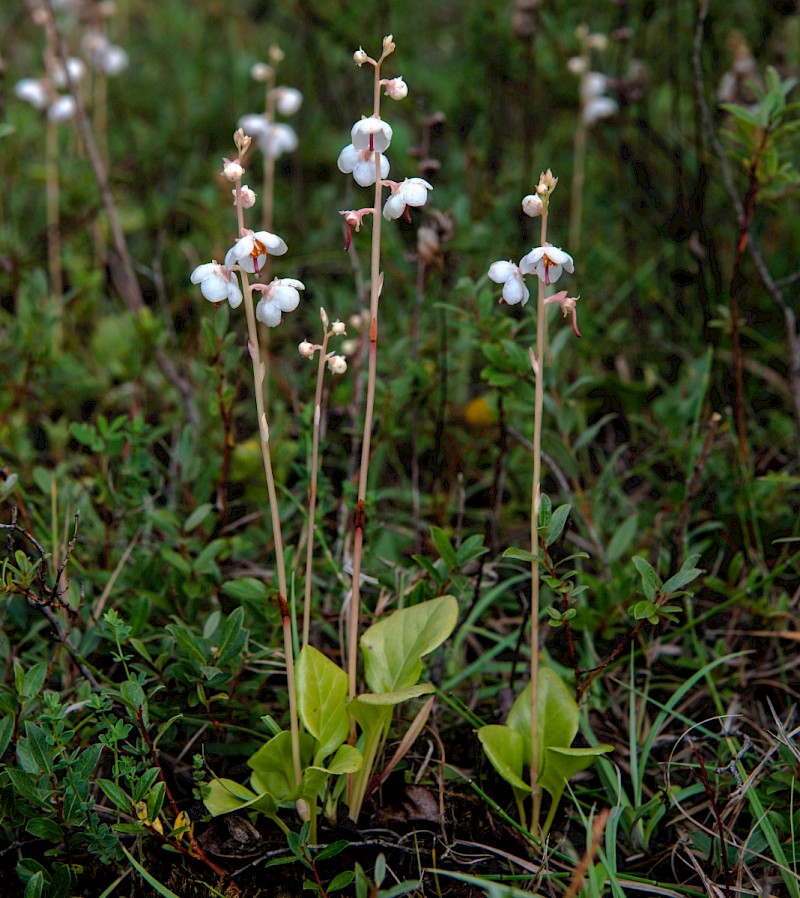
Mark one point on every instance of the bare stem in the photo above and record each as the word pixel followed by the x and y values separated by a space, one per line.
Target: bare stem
pixel 536 498
pixel 312 489
pixel 263 429
pixel 372 367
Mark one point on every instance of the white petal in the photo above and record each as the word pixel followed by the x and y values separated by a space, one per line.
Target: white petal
pixel 384 167
pixel 288 100
pixel 348 159
pixel 206 270
pixel 214 288
pixel 234 295
pixel 32 91
pixel 62 109
pixel 253 125
pixel 293 282
pixel 394 207
pixel 515 291
pixel 500 272
pixel 599 108
pixel 273 242
pixel 364 172
pixel 415 192
pixel 269 312
pixel 287 298
pixel 529 262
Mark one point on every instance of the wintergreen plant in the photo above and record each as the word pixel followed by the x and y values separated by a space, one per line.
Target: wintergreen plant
pixel 541 751
pixel 364 158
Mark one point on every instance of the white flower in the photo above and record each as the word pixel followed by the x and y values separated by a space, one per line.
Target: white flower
pixel 33 91
pixel 576 65
pixel 306 349
pixel 371 134
pixel 510 276
pixel 547 263
pixel 62 109
pixel 360 57
pixel 396 88
pixel 217 283
pixel 287 100
pixel 337 364
pixel 532 205
pixel 114 60
pixel 410 192
pixel 76 69
pixel 598 108
pixel 250 251
pixel 273 139
pixel 102 54
pixel 337 328
pixel 280 295
pixel 361 163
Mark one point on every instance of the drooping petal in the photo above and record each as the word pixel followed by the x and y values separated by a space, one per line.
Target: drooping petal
pixel 394 207
pixel 269 312
pixel 500 272
pixel 515 290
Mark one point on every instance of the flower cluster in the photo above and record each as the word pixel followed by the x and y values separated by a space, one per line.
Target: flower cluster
pixel 337 364
pixel 273 138
pixel 595 105
pixel 364 156
pixel 547 262
pixel 249 253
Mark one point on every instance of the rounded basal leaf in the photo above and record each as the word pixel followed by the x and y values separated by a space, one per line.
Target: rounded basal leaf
pixel 558 714
pixel 503 748
pixel 322 700
pixel 561 764
pixel 347 759
pixel 223 796
pixel 273 769
pixel 393 647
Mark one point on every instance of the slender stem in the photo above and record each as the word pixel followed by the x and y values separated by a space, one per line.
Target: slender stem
pixel 536 498
pixel 54 228
pixel 312 490
pixel 578 163
pixel 372 367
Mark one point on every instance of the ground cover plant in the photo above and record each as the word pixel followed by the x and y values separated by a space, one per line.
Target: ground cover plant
pixel 399 446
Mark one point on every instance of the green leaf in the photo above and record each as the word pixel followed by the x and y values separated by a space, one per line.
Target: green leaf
pixel 681 579
pixel 151 880
pixel 348 759
pixel 393 647
pixel 503 748
pixel 197 516
pixel 443 546
pixel 651 582
pixel 34 751
pixel 6 732
pixel 246 589
pixel 45 828
pixel 273 767
pixel 33 681
pixel 557 523
pixel 322 700
pixel 521 555
pixel 223 796
pixel 396 697
pixel 234 637
pixel 623 538
pixel 117 795
pixel 35 885
pixel 561 764
pixel 341 881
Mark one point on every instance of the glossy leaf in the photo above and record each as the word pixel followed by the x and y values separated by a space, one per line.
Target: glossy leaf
pixel 322 700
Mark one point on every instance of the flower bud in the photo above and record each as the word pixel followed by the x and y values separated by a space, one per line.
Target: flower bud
pixel 241 140
pixel 261 71
pixel 396 88
pixel 337 364
pixel 276 55
pixel 337 328
pixel 360 57
pixel 577 65
pixel 232 170
pixel 248 197
pixel 306 349
pixel 388 45
pixel 324 317
pixel 532 205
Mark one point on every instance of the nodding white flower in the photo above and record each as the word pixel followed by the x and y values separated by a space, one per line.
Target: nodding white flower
pixel 307 349
pixel 396 88
pixel 532 205
pixel 280 295
pixel 409 192
pixel 568 307
pixel 62 109
pixel 274 139
pixel 353 218
pixel 361 164
pixel 232 170
pixel 337 364
pixel 217 283
pixel 102 54
pixel 251 250
pixel 76 69
pixel 287 100
pixel 371 134
pixel 510 276
pixel 337 328
pixel 248 196
pixel 33 91
pixel 547 263
pixel 360 57
pixel 598 108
